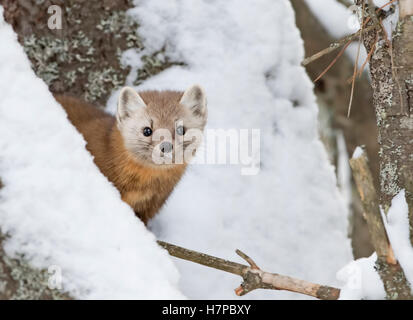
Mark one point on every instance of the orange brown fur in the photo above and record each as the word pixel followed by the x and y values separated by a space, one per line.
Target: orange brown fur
pixel 143 187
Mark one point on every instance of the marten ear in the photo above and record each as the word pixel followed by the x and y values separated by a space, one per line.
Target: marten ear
pixel 129 100
pixel 194 99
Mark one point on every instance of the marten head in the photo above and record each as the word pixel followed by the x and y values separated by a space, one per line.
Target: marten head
pixel 162 127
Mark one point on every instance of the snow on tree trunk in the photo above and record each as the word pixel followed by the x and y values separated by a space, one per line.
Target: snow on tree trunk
pixel 58 213
pixel 391 69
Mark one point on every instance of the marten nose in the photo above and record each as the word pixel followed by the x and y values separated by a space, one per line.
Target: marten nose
pixel 166 147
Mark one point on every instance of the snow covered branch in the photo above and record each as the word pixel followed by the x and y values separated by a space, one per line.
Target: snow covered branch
pixel 390 271
pixel 253 276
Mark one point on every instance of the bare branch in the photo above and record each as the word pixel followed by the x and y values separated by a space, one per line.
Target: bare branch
pixel 335 45
pixel 332 63
pixel 365 186
pixel 351 37
pixel 356 65
pixel 204 259
pixel 368 56
pixel 254 278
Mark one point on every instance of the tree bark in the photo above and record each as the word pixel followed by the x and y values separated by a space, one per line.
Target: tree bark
pixel 83 58
pixel 403 71
pixel 391 70
pixel 20 281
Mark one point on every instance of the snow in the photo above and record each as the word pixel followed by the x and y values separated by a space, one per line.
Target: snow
pixel 57 208
pixel 382 3
pixel 390 23
pixel 361 280
pixel 343 170
pixel 397 227
pixel 290 217
pixel 340 20
pixel 336 18
pixel 358 152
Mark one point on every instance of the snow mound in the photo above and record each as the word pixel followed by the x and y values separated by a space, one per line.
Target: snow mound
pixel 290 217
pixel 56 206
pixel 358 152
pixel 397 227
pixel 361 280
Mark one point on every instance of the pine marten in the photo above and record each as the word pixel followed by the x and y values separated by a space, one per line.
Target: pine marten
pixel 133 150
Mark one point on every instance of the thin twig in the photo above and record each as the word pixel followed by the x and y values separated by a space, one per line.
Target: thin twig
pixel 378 10
pixel 343 41
pixel 333 62
pixel 251 262
pixel 373 47
pixel 254 278
pixel 335 45
pixel 356 63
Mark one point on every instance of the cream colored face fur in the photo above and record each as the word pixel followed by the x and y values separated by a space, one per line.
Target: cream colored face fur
pixel 162 112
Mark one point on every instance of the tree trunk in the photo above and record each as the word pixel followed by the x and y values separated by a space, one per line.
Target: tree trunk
pixel 391 69
pixel 84 57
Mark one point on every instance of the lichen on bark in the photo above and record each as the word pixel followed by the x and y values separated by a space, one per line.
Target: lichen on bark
pixel 82 59
pixel 20 281
pixel 390 66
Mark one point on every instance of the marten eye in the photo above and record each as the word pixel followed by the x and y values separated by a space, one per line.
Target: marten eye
pixel 147 131
pixel 180 130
